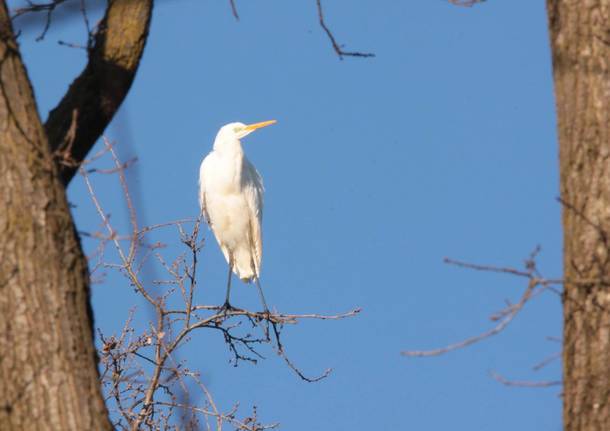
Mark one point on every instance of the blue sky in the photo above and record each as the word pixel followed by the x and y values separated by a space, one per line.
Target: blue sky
pixel 444 144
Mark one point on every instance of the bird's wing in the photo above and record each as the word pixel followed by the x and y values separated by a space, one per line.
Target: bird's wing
pixel 252 184
pixel 202 190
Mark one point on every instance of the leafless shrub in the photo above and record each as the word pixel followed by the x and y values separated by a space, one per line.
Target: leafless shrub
pixel 146 384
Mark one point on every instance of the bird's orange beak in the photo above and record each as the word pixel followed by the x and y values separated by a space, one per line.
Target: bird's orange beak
pixel 252 127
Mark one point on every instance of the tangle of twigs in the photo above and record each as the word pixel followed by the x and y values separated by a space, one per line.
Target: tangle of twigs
pixel 145 384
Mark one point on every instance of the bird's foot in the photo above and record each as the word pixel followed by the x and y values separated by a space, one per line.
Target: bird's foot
pixel 225 309
pixel 265 320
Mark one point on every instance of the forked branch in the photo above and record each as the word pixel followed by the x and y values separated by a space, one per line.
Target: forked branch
pixel 535 286
pixel 338 48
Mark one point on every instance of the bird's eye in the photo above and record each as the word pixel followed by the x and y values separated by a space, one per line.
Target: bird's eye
pixel 237 129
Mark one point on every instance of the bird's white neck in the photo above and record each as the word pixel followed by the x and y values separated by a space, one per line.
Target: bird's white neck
pixel 229 162
pixel 228 146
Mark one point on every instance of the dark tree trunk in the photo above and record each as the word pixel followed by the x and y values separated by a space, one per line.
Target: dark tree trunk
pixel 48 374
pixel 580 40
pixel 96 94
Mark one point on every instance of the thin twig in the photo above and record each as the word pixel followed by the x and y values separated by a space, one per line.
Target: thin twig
pixel 465 3
pixel 524 383
pixel 234 9
pixel 48 8
pixel 338 48
pixel 536 285
pixel 113 235
pixel 468 341
pixel 546 361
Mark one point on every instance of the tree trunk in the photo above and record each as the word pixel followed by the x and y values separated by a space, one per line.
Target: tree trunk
pixel 48 374
pixel 580 40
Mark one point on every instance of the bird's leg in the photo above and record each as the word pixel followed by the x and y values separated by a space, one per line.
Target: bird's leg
pixel 260 292
pixel 227 306
pixel 266 312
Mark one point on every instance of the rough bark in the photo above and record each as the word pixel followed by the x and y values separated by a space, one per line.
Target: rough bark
pixel 95 96
pixel 48 374
pixel 580 40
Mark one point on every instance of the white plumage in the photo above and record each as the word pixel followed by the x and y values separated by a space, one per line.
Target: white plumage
pixel 231 199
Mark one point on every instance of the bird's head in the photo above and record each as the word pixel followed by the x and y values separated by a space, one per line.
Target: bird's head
pixel 234 131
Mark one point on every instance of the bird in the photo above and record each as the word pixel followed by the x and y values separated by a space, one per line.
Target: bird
pixel 231 201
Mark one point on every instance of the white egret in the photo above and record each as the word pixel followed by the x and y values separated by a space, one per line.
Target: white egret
pixel 231 199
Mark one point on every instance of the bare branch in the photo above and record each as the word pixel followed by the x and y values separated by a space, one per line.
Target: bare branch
pixel 536 285
pixel 272 317
pixel 113 235
pixel 338 48
pixel 282 353
pixel 524 383
pixel 510 315
pixel 465 3
pixel 540 365
pixel 48 8
pixel 234 9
